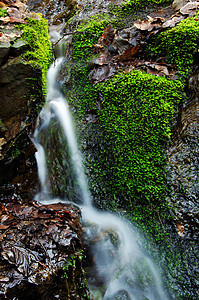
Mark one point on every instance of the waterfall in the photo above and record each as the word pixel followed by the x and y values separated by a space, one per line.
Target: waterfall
pixel 120 270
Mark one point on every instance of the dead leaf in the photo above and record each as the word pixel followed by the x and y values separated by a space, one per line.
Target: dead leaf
pixel 101 73
pixel 128 54
pixel 149 24
pixel 180 228
pixel 108 35
pixel 185 10
pixel 171 23
pixel 102 60
pixel 144 25
pixel 4 226
pixel 6 20
pixel 14 12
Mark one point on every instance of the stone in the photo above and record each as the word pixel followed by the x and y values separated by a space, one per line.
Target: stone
pixel 41 251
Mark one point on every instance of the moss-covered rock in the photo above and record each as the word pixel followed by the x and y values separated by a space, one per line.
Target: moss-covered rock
pixel 35 34
pixel 124 126
pixel 178 45
pixel 25 53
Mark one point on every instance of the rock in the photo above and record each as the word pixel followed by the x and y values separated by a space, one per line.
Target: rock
pixel 193 86
pixel 182 170
pixel 4 50
pixel 41 251
pixel 56 14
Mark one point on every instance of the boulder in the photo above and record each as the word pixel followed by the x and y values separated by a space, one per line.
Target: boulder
pixel 41 251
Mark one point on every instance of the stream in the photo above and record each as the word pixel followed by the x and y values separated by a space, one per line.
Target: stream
pixel 117 267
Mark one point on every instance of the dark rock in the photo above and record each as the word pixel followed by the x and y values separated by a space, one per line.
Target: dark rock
pixel 4 49
pixel 182 171
pixel 112 50
pixel 41 252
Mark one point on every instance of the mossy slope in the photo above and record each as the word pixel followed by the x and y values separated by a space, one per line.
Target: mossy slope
pixel 178 45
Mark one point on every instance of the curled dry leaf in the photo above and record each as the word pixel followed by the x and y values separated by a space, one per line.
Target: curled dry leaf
pixel 6 20
pixel 185 10
pixel 172 22
pixel 102 60
pixel 150 24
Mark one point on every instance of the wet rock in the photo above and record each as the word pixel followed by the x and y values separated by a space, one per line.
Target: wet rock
pixel 193 86
pixel 41 251
pixel 56 12
pixel 182 171
pixel 21 98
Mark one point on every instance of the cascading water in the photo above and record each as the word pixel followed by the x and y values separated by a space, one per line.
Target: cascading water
pixel 120 269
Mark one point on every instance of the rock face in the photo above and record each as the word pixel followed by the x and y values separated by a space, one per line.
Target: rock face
pixel 21 98
pixel 41 252
pixel 183 173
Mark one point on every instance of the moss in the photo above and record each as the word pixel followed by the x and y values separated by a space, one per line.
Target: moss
pixel 178 44
pixel 76 282
pixel 3 12
pixel 131 7
pixel 135 123
pixel 134 5
pixel 86 35
pixel 35 33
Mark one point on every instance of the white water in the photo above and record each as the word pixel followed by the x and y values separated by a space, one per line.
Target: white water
pixel 120 265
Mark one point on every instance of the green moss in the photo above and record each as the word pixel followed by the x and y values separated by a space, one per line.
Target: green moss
pixel 35 33
pixel 3 12
pixel 74 273
pixel 132 6
pixel 86 35
pixel 135 123
pixel 178 44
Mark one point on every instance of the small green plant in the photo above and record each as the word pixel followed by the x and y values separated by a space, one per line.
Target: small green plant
pixel 3 12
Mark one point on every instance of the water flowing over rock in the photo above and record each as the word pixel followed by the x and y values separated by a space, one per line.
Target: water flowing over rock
pixel 117 265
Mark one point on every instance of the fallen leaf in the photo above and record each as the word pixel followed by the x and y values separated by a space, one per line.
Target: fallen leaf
pixel 149 24
pixel 4 226
pixel 6 20
pixel 171 23
pixel 185 10
pixel 102 60
pixel 108 35
pixel 128 54
pixel 180 228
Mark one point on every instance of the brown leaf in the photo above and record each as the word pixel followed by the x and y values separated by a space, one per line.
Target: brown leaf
pixel 108 35
pixel 143 25
pixel 128 54
pixel 180 228
pixel 14 12
pixel 102 60
pixel 101 73
pixel 4 226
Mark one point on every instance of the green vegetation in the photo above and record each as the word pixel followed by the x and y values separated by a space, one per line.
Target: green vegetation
pixel 178 44
pixel 74 273
pixel 3 12
pixel 134 5
pixel 135 123
pixel 87 35
pixel 35 33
